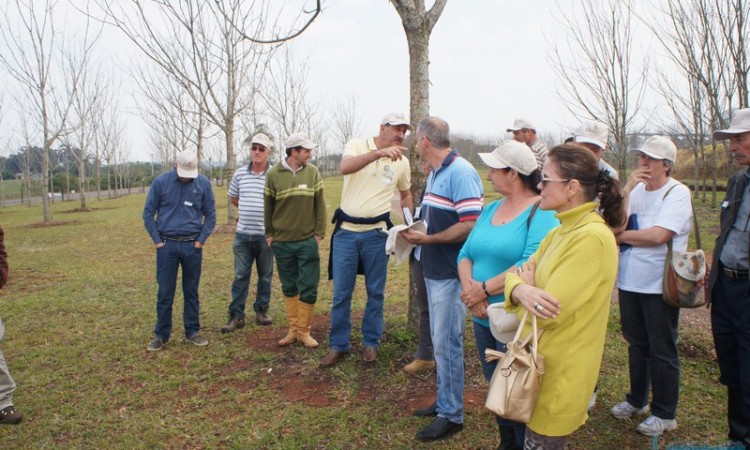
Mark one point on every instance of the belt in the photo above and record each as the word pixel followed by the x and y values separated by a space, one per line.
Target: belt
pixel 734 274
pixel 180 238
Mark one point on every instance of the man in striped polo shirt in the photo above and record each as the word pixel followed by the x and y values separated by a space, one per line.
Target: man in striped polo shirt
pixel 525 131
pixel 246 193
pixel 453 199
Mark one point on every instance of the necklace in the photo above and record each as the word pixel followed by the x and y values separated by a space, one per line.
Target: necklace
pixel 508 212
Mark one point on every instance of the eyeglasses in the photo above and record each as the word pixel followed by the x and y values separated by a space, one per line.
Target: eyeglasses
pixel 257 148
pixel 544 181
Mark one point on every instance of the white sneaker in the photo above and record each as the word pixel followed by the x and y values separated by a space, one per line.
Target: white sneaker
pixel 654 425
pixel 592 401
pixel 624 410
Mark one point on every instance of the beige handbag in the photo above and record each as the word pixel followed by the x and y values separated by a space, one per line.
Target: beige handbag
pixel 684 272
pixel 514 387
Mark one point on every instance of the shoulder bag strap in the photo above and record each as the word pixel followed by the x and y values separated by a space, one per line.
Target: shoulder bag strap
pixel 695 220
pixel 531 214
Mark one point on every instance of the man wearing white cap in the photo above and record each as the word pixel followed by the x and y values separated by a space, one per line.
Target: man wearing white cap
pixel 373 168
pixel 524 131
pixel 179 215
pixel 594 136
pixel 659 207
pixel 295 223
pixel 246 194
pixel 728 286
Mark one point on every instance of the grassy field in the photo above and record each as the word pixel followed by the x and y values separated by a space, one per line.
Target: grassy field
pixel 80 309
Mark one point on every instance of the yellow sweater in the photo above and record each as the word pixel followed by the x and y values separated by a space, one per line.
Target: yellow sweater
pixel 577 264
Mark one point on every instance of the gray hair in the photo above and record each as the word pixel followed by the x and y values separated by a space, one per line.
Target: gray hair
pixel 436 130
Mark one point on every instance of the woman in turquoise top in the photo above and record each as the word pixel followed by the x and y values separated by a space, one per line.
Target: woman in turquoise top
pixel 507 232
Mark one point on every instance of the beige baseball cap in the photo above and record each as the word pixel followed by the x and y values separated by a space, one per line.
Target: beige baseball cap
pixel 396 119
pixel 516 155
pixel 740 124
pixel 593 132
pixel 187 164
pixel 520 124
pixel 658 147
pixel 299 139
pixel 261 139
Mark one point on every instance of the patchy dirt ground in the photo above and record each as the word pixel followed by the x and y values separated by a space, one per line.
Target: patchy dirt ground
pixel 314 387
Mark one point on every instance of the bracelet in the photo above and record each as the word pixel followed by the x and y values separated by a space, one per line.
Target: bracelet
pixel 484 288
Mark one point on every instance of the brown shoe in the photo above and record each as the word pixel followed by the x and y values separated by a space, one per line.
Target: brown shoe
pixel 262 318
pixel 235 323
pixel 332 358
pixel 369 355
pixel 10 416
pixel 419 365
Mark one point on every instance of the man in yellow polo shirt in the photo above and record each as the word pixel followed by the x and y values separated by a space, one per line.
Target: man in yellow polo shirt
pixel 372 169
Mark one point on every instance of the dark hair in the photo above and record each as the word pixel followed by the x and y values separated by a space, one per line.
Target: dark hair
pixel 289 150
pixel 436 130
pixel 578 163
pixel 532 180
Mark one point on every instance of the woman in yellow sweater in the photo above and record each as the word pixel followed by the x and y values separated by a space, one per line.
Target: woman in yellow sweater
pixel 567 284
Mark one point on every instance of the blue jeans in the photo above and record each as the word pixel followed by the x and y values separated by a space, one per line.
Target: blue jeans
pixel 349 248
pixel 447 327
pixel 248 248
pixel 485 340
pixel 168 261
pixel 649 325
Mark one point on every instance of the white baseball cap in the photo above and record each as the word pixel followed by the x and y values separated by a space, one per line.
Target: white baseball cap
pixel 396 119
pixel 511 154
pixel 658 147
pixel 299 140
pixel 592 132
pixel 261 139
pixel 187 164
pixel 740 124
pixel 520 124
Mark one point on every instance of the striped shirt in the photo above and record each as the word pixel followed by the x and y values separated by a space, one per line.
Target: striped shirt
pixel 453 194
pixel 248 186
pixel 540 152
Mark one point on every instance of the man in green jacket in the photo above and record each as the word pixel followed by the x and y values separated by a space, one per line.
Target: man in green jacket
pixel 295 215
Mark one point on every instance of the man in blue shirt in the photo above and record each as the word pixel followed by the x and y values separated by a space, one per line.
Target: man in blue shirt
pixel 179 215
pixel 453 199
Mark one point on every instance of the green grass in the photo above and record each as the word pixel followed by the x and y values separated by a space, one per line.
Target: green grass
pixel 80 309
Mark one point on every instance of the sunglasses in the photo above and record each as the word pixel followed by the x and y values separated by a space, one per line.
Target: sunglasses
pixel 257 148
pixel 545 181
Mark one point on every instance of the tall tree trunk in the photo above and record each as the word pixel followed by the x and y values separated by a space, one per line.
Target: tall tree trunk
pixel 46 194
pixel 418 24
pixel 82 180
pixel 231 162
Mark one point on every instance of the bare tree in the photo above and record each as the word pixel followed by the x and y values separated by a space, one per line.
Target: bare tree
pixel 176 120
pixel 418 23
pixel 3 161
pixel 734 19
pixel 47 68
pixel 705 40
pixel 346 119
pixel 199 46
pixel 307 17
pixel 595 68
pixel 89 105
pixel 107 141
pixel 286 96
